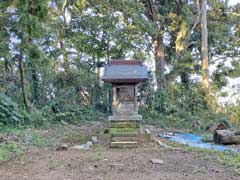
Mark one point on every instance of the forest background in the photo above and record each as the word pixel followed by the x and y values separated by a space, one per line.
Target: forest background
pixel 52 53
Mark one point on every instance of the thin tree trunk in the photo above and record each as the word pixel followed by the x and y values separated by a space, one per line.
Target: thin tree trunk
pixel 98 91
pixel 22 77
pixel 35 84
pixel 66 63
pixel 204 45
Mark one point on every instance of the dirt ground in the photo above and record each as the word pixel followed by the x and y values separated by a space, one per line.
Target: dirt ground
pixel 103 163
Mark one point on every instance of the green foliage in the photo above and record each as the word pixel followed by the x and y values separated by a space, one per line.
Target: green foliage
pixel 35 118
pixel 9 111
pixel 231 160
pixel 37 140
pixel 80 114
pixel 180 107
pixel 65 43
pixel 233 112
pixel 76 137
pixel 9 150
pixel 207 137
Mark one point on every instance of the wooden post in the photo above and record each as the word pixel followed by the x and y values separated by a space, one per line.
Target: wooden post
pixel 135 98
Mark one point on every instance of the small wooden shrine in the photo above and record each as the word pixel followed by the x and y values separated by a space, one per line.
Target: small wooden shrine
pixel 124 75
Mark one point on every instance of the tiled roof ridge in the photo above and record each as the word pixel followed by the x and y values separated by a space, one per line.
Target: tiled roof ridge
pixel 125 62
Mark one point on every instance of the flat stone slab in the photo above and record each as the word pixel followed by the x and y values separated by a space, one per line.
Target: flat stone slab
pixel 125 134
pixel 124 124
pixel 125 118
pixel 157 161
pixel 116 130
pixel 122 138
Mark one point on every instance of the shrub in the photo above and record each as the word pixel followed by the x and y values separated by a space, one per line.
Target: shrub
pixel 79 114
pixel 180 107
pixel 9 112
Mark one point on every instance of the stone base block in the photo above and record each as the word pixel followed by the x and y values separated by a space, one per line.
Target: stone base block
pixel 124 134
pixel 124 124
pixel 127 138
pixel 125 118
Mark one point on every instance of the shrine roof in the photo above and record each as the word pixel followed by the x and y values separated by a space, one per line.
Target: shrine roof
pixel 131 71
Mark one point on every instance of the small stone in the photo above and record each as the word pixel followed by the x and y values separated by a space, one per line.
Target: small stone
pixel 157 161
pixel 81 147
pixel 27 139
pixel 94 139
pixel 63 147
pixel 64 122
pixel 90 143
pixel 15 138
pixel 169 135
pixel 161 144
pixel 147 131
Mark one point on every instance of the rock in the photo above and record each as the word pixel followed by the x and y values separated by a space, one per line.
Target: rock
pixel 94 139
pixel 27 139
pixel 81 147
pixel 64 122
pixel 226 137
pixel 157 161
pixel 106 131
pixel 90 143
pixel 169 134
pixel 4 140
pixel 63 147
pixel 147 131
pixel 160 143
pixel 219 126
pixel 15 138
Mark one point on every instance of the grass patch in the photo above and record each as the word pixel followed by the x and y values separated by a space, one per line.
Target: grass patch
pixel 119 130
pixel 77 137
pixel 9 150
pixel 38 140
pixel 230 160
pixel 207 137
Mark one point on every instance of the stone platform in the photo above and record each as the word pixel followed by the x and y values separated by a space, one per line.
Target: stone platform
pixel 124 131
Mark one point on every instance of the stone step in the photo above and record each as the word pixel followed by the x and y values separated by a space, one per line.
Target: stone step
pixel 117 130
pixel 124 144
pixel 125 118
pixel 124 124
pixel 125 134
pixel 127 138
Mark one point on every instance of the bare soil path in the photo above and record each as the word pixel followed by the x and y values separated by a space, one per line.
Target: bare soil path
pixel 102 163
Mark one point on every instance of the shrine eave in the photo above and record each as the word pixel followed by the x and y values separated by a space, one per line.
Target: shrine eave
pixel 125 71
pixel 129 80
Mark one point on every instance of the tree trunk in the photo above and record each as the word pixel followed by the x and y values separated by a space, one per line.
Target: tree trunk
pixel 35 89
pixel 98 91
pixel 159 60
pixel 22 77
pixel 204 45
pixel 35 84
pixel 66 63
pixel 157 43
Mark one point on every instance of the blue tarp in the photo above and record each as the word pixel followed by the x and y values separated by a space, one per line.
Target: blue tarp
pixel 194 140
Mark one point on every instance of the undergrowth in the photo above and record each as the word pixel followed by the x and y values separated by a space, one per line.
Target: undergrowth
pixel 178 106
pixel 9 150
